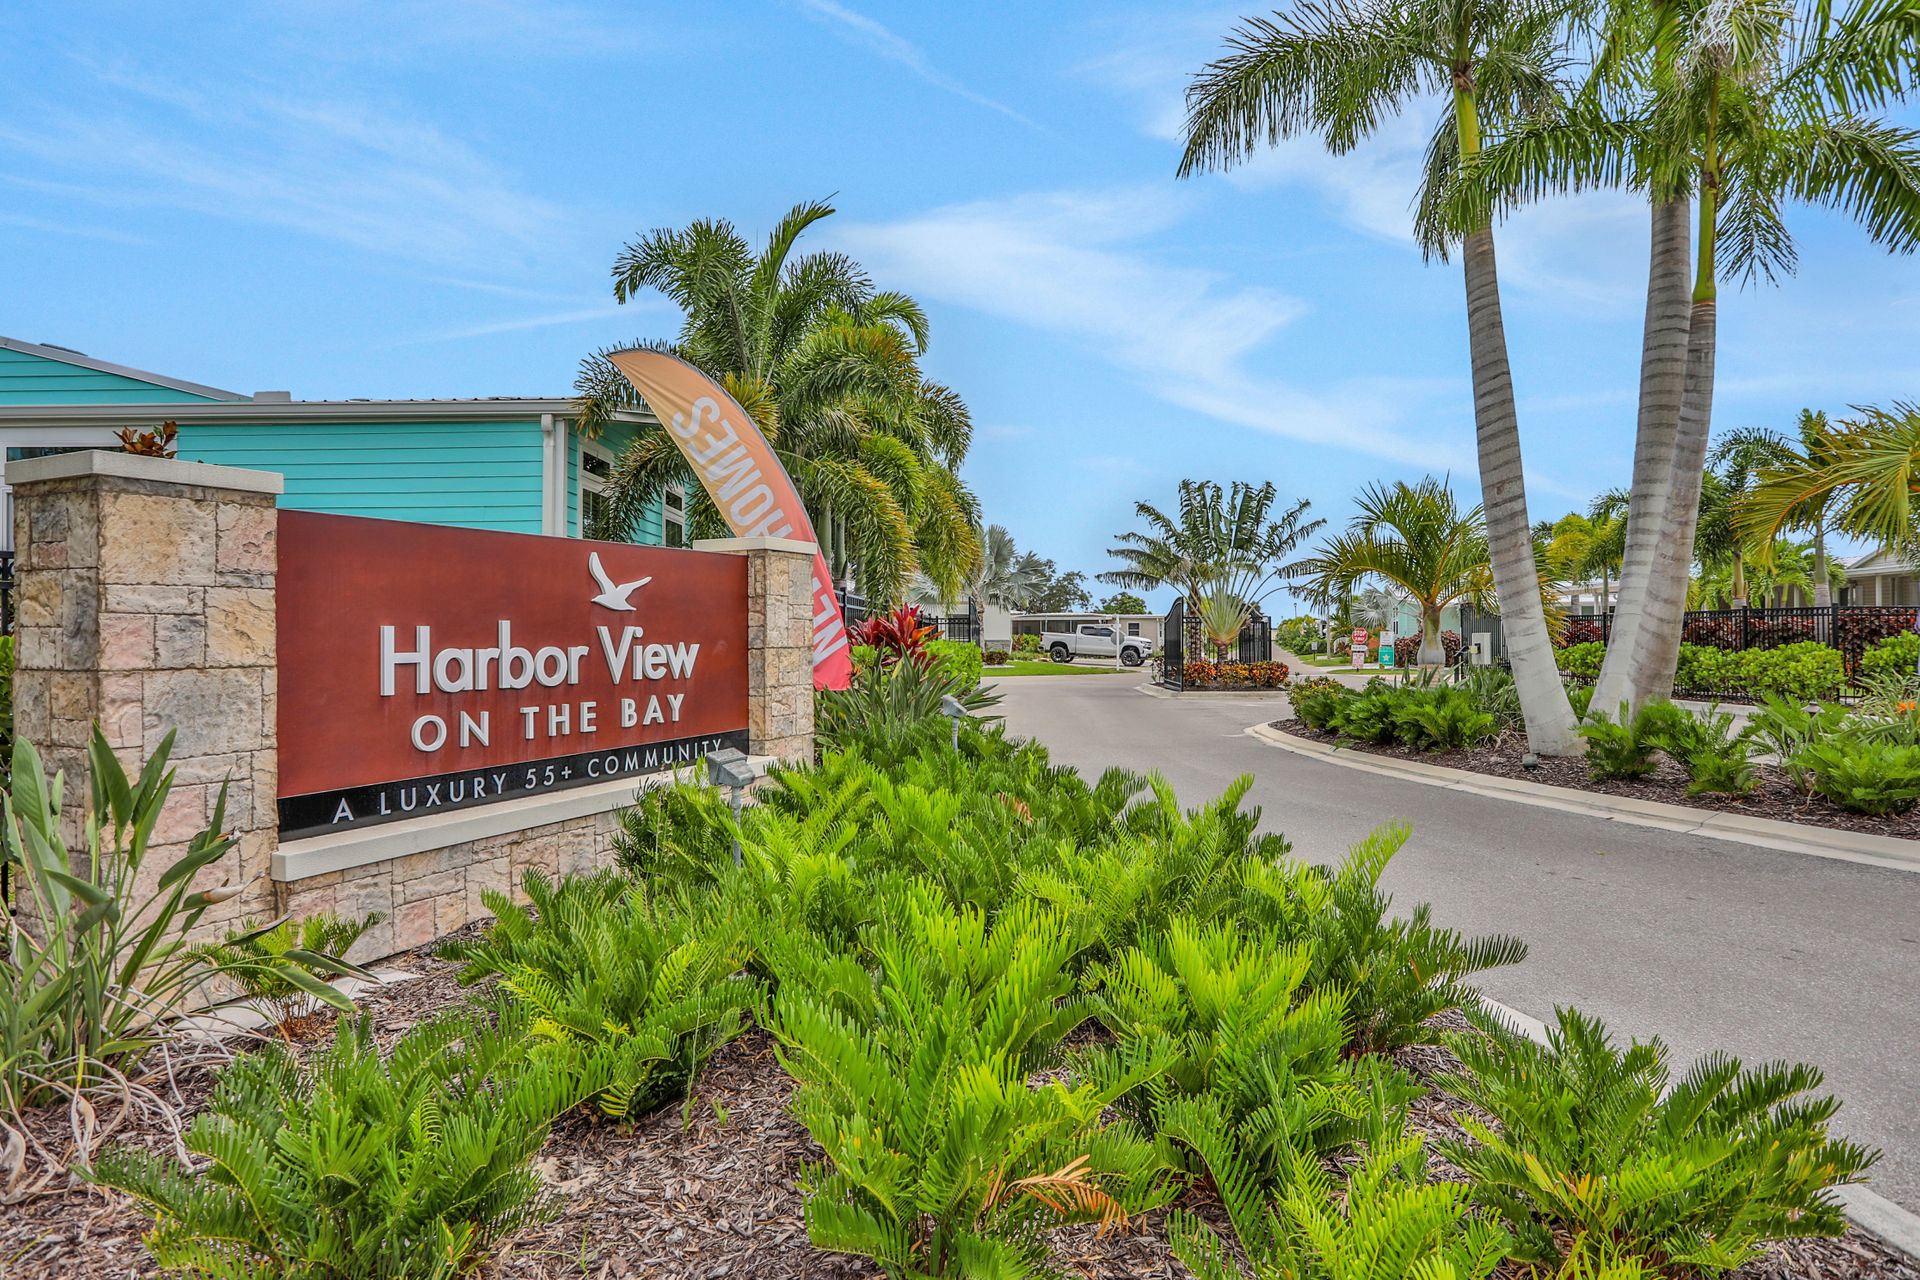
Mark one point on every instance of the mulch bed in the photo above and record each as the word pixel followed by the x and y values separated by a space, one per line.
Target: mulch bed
pixel 706 1190
pixel 1774 797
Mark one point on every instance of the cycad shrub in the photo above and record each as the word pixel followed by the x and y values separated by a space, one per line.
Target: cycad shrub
pixel 615 985
pixel 257 959
pixel 1441 718
pixel 1717 757
pixel 1588 1142
pixel 1786 728
pixel 1390 1222
pixel 1367 716
pixel 348 1167
pixel 678 832
pixel 1876 778
pixel 943 1158
pixel 1396 972
pixel 1197 863
pixel 1624 748
pixel 1247 1036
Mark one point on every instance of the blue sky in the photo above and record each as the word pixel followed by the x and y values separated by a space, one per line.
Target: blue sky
pixel 422 197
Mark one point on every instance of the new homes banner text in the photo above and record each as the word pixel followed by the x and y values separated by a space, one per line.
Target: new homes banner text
pixel 752 490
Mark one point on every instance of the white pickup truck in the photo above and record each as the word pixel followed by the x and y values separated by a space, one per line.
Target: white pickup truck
pixel 1095 640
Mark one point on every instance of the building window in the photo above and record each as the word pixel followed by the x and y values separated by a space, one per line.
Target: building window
pixel 673 516
pixel 1133 628
pixel 596 469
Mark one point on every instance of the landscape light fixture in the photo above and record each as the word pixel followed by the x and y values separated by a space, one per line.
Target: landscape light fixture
pixel 728 768
pixel 951 708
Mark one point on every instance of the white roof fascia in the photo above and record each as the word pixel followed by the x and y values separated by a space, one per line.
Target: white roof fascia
pixel 88 415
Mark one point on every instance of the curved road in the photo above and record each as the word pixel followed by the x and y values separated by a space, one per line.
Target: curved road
pixel 1706 943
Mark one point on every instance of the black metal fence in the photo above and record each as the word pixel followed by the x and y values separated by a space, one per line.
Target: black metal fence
pixel 1850 628
pixel 958 626
pixel 6 593
pixel 1183 640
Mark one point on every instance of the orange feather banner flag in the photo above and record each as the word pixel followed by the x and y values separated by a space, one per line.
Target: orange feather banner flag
pixel 749 487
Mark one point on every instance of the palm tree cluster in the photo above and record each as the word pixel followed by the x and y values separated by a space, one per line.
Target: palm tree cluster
pixel 828 367
pixel 1738 107
pixel 1739 562
pixel 1224 550
pixel 1005 577
pixel 1860 477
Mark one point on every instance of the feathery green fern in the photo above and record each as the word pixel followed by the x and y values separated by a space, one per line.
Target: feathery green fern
pixel 351 1168
pixel 1588 1141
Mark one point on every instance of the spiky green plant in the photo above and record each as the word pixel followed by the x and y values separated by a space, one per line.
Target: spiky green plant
pixel 255 957
pixel 1589 1141
pixel 1397 972
pixel 942 1157
pixel 1248 1036
pixel 95 958
pixel 348 1167
pixel 630 990
pixel 1391 1223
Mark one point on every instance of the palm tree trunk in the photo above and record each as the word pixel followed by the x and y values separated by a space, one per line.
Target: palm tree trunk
pixel 1433 651
pixel 1822 575
pixel 1551 730
pixel 1737 583
pixel 1663 370
pixel 1664 613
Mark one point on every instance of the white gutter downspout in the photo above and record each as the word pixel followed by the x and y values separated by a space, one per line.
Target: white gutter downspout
pixel 553 477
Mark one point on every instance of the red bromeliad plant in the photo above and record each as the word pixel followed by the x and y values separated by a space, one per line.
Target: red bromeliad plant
pixel 897 635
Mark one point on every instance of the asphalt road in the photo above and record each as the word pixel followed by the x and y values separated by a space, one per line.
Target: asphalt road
pixel 1706 943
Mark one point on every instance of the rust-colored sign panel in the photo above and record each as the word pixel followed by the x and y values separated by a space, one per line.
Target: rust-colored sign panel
pixel 425 668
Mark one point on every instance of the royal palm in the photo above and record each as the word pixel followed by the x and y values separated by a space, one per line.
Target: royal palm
pixel 1415 538
pixel 1338 68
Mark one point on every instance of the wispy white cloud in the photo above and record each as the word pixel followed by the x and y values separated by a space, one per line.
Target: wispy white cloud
pixel 340 169
pixel 54 226
pixel 1073 264
pixel 520 324
pixel 889 44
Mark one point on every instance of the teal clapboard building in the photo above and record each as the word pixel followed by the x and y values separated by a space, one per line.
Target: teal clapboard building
pixel 511 463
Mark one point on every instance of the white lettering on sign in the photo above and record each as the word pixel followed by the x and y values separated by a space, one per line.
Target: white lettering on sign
pixel 461 670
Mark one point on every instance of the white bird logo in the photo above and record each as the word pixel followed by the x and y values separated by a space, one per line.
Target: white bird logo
pixel 612 595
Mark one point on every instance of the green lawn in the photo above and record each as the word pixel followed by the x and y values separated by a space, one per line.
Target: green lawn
pixel 1045 667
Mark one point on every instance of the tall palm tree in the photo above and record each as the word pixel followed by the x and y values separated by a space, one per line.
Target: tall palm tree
pixel 1336 69
pixel 828 368
pixel 1416 539
pixel 1213 531
pixel 1746 105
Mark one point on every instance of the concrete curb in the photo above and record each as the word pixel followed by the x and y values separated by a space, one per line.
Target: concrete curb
pixel 1868 1210
pixel 1764 833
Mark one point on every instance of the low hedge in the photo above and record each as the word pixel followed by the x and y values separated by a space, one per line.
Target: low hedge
pixel 1234 675
pixel 1801 670
pixel 1896 654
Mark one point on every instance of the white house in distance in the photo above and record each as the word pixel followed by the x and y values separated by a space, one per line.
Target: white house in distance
pixel 1880 577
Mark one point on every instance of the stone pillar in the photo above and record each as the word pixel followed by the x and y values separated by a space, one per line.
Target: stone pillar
pixel 145 589
pixel 779 643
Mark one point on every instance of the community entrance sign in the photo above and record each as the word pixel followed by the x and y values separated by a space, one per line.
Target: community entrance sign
pixel 425 668
pixel 749 487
